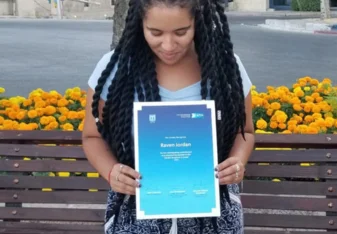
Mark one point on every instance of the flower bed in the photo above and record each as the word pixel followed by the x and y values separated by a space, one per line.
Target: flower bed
pixel 309 106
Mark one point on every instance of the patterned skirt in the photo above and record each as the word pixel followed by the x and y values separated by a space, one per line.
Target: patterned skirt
pixel 230 221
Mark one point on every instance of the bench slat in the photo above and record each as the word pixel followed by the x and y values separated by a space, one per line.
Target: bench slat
pixel 291 171
pixel 76 152
pixel 45 166
pixel 37 231
pixel 42 151
pixel 262 140
pixel 38 136
pixel 289 221
pixel 62 197
pixel 249 231
pixel 39 182
pixel 299 156
pixel 319 141
pixel 44 228
pixel 288 203
pixel 289 188
pixel 57 214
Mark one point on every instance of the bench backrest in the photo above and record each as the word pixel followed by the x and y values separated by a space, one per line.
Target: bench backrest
pixel 43 170
pixel 291 183
pixel 290 180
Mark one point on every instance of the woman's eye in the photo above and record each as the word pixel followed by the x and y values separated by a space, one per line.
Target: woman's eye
pixel 181 33
pixel 155 33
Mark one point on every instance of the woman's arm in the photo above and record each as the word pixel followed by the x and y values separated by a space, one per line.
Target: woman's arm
pixel 232 170
pixel 100 156
pixel 95 148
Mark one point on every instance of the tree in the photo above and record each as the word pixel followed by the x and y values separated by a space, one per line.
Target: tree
pixel 121 8
pixel 325 9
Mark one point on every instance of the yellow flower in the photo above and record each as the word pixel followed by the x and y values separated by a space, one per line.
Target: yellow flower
pixel 261 124
pixel 32 114
pixel 50 110
pixel 44 120
pixel 314 82
pixel 309 99
pixel 80 127
pixel 270 112
pixel 308 119
pixel 329 122
pixel 83 103
pixel 75 95
pixel 282 126
pixel 273 125
pixel 72 115
pixel 326 81
pixel 21 115
pixel 275 106
pixel 40 104
pixel 67 127
pixel 62 118
pixel 2 90
pixel 62 102
pixel 297 107
pixel 312 130
pixel 316 109
pixel 281 118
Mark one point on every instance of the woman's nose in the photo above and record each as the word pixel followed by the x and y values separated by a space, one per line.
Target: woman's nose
pixel 168 44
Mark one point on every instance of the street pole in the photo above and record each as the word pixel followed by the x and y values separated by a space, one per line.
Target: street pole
pixel 59 12
pixel 325 9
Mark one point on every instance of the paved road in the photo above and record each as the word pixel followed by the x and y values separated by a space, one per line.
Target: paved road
pixel 56 55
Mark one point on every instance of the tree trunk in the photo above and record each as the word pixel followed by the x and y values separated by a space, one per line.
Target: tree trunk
pixel 325 9
pixel 121 8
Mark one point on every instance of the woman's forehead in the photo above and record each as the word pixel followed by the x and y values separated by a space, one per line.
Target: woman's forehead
pixel 167 18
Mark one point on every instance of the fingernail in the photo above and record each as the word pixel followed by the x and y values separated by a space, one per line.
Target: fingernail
pixel 140 177
pixel 216 175
pixel 139 185
pixel 216 169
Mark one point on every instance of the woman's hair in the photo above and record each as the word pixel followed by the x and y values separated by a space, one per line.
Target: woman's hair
pixel 136 75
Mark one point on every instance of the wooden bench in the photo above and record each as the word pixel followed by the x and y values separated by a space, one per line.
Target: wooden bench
pixel 304 199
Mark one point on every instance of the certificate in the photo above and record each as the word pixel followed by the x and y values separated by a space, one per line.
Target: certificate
pixel 176 154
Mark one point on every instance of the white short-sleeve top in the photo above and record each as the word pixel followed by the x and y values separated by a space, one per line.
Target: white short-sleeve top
pixel 189 93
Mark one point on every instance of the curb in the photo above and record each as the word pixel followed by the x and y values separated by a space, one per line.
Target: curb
pixel 332 32
pixel 303 26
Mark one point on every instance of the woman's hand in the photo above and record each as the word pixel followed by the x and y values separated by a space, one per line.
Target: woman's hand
pixel 124 179
pixel 231 171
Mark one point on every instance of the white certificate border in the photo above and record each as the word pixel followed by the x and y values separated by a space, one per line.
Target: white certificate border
pixel 138 106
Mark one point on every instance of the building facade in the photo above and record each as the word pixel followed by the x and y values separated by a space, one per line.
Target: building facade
pixel 86 9
pixel 103 9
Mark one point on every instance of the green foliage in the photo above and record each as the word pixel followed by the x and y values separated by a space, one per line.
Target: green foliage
pixel 306 5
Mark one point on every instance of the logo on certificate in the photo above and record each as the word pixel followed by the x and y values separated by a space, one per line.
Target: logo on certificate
pixel 197 115
pixel 152 118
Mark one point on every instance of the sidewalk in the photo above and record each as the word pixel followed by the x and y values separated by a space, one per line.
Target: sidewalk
pixel 276 14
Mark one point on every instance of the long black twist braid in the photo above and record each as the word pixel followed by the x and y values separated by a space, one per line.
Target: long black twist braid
pixel 136 72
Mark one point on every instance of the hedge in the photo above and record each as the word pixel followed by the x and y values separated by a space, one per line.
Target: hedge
pixel 306 5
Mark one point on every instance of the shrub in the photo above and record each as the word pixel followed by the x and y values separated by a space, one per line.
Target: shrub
pixel 309 106
pixel 306 5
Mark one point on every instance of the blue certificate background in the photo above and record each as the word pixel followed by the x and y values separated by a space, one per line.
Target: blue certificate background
pixel 164 175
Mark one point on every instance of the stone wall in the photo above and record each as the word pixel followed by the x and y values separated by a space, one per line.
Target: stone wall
pixel 6 7
pixel 249 5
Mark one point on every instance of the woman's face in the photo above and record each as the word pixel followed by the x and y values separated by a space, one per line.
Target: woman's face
pixel 169 31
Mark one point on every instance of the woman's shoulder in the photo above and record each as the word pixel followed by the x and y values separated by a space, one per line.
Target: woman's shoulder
pixel 246 82
pixel 97 72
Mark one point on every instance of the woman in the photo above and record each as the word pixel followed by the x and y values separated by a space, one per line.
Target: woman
pixel 170 50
